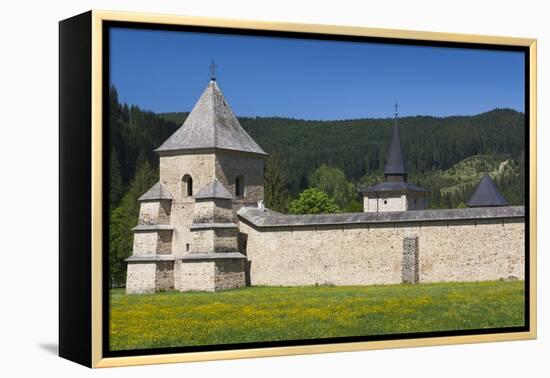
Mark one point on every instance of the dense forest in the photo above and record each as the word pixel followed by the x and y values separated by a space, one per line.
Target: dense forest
pixel 446 155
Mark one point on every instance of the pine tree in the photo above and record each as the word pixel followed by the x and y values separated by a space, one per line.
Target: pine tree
pixel 276 185
pixel 116 185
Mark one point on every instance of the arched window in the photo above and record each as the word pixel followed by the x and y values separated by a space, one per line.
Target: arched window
pixel 186 186
pixel 239 186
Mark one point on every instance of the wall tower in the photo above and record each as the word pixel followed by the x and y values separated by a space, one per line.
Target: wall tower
pixel 395 193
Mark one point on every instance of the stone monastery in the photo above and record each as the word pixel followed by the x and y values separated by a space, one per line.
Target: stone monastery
pixel 203 226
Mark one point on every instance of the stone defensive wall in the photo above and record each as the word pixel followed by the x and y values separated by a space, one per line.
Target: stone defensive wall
pixel 473 244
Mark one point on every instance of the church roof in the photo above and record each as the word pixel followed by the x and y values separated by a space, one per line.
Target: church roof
pixel 395 161
pixel 389 186
pixel 487 194
pixel 157 192
pixel 211 124
pixel 215 189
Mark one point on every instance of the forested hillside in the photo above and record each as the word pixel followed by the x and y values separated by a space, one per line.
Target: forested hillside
pixel 356 147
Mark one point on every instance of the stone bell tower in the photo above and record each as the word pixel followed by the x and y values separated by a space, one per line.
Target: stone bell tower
pixel 395 193
pixel 210 167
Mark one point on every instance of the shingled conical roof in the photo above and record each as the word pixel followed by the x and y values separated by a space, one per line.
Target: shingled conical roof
pixel 487 194
pixel 214 189
pixel 211 124
pixel 395 162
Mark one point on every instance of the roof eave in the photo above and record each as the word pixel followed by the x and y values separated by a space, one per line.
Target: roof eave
pixel 177 151
pixel 262 219
pixel 373 190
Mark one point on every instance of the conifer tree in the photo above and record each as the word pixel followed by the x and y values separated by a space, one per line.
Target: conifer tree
pixel 276 185
pixel 116 185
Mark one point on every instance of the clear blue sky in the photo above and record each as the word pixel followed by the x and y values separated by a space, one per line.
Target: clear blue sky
pixel 166 71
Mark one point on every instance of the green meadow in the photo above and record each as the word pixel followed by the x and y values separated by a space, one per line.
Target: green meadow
pixel 255 314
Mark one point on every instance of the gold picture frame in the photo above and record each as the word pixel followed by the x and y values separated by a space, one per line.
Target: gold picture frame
pixel 97 18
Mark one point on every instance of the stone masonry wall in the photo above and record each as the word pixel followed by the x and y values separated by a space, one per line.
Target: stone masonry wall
pixel 164 242
pixel 177 274
pixel 213 211
pixel 164 212
pixel 172 169
pixel 151 242
pixel 149 212
pixel 164 279
pixel 196 276
pixel 181 218
pixel 201 168
pixel 145 243
pixel 215 240
pixel 229 165
pixel 363 254
pixel 149 277
pixel 230 274
pixel 154 212
pixel 141 278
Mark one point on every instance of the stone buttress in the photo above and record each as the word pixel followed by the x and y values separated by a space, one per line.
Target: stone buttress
pixel 213 261
pixel 151 266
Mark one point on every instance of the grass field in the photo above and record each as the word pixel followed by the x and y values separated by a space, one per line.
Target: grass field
pixel 255 314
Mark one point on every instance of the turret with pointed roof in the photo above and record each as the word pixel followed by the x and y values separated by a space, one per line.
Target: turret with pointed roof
pixel 395 162
pixel 395 193
pixel 487 194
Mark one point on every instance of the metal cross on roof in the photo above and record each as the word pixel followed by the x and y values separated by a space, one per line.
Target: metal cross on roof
pixel 213 67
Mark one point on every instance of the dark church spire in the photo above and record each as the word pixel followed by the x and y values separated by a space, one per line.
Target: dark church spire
pixel 395 162
pixel 487 194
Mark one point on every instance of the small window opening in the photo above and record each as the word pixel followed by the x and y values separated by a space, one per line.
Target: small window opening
pixel 239 186
pixel 187 186
pixel 385 202
pixel 187 247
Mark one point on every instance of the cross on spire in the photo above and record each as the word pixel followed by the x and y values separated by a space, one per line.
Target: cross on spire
pixel 395 162
pixel 212 68
pixel 396 106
